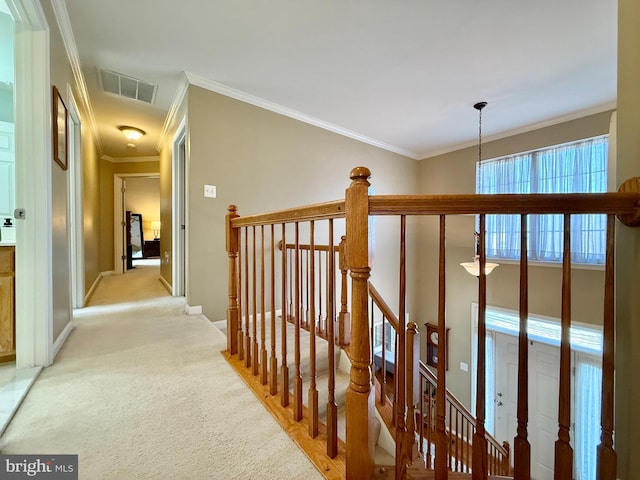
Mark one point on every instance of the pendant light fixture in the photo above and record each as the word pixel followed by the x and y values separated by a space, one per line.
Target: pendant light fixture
pixel 474 267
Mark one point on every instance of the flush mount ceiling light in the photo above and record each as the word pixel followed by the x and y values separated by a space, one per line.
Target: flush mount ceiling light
pixel 132 133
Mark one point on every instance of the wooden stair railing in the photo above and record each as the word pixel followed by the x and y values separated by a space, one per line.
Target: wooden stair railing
pixel 357 451
pixel 460 423
pixel 276 340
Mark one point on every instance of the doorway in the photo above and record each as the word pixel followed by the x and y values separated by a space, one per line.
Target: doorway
pixel 544 367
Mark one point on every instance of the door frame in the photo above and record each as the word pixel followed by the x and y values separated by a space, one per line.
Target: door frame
pixel 34 313
pixel 76 215
pixel 179 225
pixel 119 221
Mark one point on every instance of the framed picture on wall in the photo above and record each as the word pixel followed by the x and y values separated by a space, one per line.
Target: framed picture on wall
pixel 60 142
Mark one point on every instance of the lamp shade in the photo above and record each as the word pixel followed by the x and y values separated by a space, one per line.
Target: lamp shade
pixel 474 267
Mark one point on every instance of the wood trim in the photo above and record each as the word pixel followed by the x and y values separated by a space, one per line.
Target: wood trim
pixel 317 211
pixel 541 203
pixel 313 448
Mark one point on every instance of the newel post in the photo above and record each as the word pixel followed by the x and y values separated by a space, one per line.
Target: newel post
pixel 232 241
pixel 360 441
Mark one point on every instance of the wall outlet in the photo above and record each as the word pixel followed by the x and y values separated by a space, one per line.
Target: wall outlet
pixel 464 367
pixel 210 191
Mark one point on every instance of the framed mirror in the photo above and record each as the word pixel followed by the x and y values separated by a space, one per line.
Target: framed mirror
pixel 135 238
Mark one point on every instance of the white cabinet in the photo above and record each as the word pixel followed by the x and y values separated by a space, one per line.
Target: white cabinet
pixel 7 170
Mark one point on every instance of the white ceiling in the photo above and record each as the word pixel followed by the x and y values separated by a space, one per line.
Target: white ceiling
pixel 403 74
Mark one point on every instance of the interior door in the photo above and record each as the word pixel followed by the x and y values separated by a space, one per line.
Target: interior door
pixel 544 370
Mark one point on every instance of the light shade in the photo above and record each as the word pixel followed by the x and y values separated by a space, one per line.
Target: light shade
pixel 132 133
pixel 155 226
pixel 474 267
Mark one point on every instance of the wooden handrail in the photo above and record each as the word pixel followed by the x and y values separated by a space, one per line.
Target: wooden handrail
pixel 318 211
pixel 620 203
pixel 384 308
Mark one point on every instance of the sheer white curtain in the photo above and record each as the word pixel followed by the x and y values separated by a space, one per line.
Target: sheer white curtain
pixel 588 401
pixel 579 167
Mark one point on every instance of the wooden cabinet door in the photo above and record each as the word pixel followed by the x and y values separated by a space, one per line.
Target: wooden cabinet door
pixel 7 302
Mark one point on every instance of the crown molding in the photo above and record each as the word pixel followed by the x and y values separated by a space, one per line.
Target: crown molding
pixel 528 128
pixel 110 159
pixel 172 116
pixel 64 25
pixel 287 112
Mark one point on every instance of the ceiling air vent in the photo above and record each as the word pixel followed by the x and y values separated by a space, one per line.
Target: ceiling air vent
pixel 126 86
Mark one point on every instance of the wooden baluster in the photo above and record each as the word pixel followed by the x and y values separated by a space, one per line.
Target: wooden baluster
pixel 297 380
pixel 458 441
pixel 241 305
pixel 254 300
pixel 320 289
pixel 607 457
pixel 273 366
pixel 306 281
pixel 522 448
pixel 371 346
pixel 284 370
pixel 451 437
pixel 344 321
pixel 263 323
pixel 232 242
pixel 332 408
pixel 360 442
pixel 505 459
pixel 421 424
pixel 441 439
pixel 291 295
pixel 400 371
pixel 412 351
pixel 247 311
pixel 394 418
pixel 313 390
pixel 563 467
pixel 479 462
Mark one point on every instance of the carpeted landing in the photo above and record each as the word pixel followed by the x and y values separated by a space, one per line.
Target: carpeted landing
pixel 140 391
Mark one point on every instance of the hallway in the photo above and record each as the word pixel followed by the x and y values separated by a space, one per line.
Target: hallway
pixel 140 390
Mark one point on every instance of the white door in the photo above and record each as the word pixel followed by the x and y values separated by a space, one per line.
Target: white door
pixel 544 370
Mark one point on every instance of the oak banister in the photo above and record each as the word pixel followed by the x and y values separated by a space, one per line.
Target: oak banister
pixel 263 324
pixel 385 309
pixel 254 297
pixel 332 408
pixel 318 211
pixel 247 312
pixel 479 461
pixel 607 457
pixel 344 318
pixel 232 247
pixel 399 374
pixel 360 441
pixel 441 439
pixel 622 203
pixel 521 445
pixel 273 365
pixel 284 369
pixel 297 379
pixel 563 464
pixel 313 390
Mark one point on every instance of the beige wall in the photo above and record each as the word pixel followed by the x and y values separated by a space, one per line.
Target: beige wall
pixel 627 435
pixel 262 161
pixel 143 196
pixel 454 173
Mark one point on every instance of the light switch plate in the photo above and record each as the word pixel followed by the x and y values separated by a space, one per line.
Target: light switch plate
pixel 210 191
pixel 464 367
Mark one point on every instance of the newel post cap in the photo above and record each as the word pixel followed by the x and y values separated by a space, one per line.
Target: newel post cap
pixel 360 174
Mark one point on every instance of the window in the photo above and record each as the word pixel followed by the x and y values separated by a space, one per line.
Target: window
pixel 578 167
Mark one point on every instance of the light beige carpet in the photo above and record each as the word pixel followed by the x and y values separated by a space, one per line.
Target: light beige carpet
pixel 140 391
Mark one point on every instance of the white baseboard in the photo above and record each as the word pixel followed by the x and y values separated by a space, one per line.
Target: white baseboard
pixel 57 345
pixel 193 310
pixel 91 291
